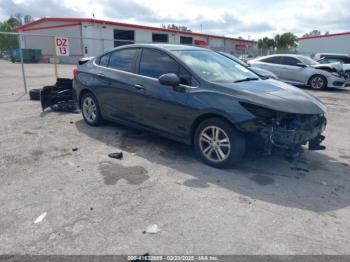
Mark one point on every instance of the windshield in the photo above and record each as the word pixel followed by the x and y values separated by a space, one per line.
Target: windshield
pixel 307 61
pixel 232 57
pixel 214 67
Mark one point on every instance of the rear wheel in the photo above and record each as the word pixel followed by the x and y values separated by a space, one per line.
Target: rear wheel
pixel 91 110
pixel 218 144
pixel 318 82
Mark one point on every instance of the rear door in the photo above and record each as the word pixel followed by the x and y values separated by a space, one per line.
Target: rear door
pixel 272 64
pixel 117 94
pixel 165 109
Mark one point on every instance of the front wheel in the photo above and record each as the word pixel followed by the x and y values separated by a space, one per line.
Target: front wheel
pixel 218 144
pixel 91 110
pixel 318 82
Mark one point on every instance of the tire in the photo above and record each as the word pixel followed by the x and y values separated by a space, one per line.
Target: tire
pixel 90 110
pixel 218 156
pixel 34 94
pixel 318 82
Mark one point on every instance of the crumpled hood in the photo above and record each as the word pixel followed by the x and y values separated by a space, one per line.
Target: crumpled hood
pixel 275 95
pixel 336 66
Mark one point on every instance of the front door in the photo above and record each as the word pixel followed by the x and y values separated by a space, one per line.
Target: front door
pixel 165 109
pixel 291 70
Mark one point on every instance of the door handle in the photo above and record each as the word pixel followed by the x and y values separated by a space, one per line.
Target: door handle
pixel 139 87
pixel 101 75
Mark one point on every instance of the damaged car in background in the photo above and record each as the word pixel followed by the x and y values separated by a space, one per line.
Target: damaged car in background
pixel 199 97
pixel 259 71
pixel 301 70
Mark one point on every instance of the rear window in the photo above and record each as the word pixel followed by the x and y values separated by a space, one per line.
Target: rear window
pixel 104 60
pixel 272 60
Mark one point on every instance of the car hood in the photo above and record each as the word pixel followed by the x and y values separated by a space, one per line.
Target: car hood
pixel 336 66
pixel 275 95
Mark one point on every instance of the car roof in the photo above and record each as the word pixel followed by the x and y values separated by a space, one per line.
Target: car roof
pixel 278 55
pixel 169 47
pixel 332 54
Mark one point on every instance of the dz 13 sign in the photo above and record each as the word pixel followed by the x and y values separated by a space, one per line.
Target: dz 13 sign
pixel 62 46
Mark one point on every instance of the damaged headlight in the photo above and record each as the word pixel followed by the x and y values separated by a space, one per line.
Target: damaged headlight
pixel 337 74
pixel 258 111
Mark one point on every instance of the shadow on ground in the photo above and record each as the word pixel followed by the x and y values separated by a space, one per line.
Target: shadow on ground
pixel 314 181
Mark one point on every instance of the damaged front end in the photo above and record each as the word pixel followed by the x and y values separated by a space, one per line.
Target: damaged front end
pixel 285 130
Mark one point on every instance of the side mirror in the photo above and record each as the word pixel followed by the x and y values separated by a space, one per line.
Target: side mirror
pixel 301 65
pixel 169 80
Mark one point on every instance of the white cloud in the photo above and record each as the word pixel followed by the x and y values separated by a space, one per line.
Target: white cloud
pixel 256 18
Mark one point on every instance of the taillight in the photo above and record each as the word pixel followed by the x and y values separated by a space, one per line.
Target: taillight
pixel 75 72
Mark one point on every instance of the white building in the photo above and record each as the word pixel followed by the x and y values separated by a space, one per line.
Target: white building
pixel 90 37
pixel 331 43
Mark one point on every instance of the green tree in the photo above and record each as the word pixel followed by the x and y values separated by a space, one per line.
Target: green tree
pixel 312 33
pixel 175 27
pixel 286 41
pixel 7 41
pixel 14 21
pixel 266 43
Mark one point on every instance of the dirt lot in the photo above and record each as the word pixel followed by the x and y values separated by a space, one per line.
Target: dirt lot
pixel 98 205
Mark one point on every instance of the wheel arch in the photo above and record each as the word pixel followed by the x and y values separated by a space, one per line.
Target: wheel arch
pixel 316 74
pixel 82 93
pixel 204 117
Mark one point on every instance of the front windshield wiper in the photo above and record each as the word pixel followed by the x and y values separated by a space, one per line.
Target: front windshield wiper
pixel 246 79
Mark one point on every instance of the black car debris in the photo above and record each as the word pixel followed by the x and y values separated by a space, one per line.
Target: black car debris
pixel 58 97
pixel 197 96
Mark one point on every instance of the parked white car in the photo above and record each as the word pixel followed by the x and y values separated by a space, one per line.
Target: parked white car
pixel 302 71
pixel 327 58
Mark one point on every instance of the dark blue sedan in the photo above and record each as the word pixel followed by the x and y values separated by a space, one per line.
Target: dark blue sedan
pixel 197 96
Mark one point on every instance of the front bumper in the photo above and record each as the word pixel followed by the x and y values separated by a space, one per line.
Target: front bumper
pixel 299 133
pixel 285 137
pixel 337 82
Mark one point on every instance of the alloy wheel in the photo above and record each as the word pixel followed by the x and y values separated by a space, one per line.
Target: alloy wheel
pixel 89 109
pixel 317 82
pixel 215 144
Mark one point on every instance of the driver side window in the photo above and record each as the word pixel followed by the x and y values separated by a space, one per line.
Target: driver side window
pixel 155 63
pixel 291 61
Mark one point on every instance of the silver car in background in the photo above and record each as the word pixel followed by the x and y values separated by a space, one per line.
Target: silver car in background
pixel 259 71
pixel 302 71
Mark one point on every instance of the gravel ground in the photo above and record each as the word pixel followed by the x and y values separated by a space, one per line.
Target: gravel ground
pixel 98 205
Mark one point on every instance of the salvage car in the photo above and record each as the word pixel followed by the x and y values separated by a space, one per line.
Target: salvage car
pixel 197 96
pixel 328 58
pixel 259 71
pixel 302 71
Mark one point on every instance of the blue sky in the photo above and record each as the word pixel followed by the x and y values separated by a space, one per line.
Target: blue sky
pixel 246 18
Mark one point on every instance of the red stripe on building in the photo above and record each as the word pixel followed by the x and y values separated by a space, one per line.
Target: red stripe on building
pixel 89 20
pixel 321 36
pixel 50 27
